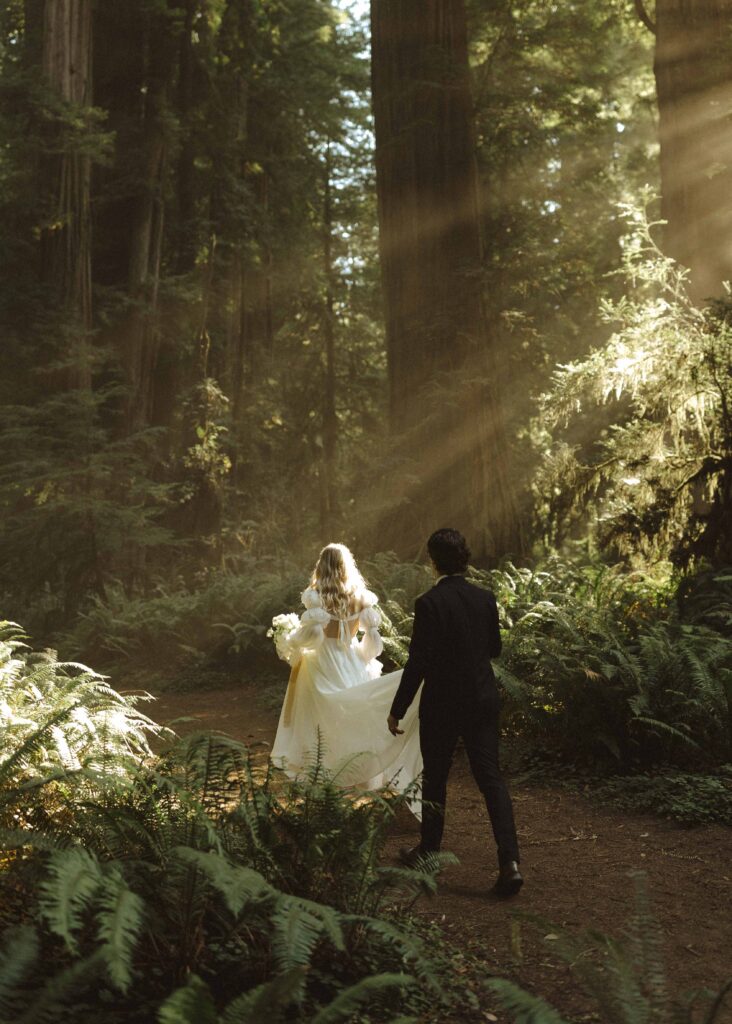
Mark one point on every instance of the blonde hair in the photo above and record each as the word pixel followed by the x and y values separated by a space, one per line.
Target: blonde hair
pixel 337 580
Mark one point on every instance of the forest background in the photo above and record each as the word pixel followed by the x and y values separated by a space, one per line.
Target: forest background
pixel 276 273
pixel 280 272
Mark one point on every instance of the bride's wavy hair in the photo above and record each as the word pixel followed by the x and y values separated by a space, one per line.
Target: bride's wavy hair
pixel 337 579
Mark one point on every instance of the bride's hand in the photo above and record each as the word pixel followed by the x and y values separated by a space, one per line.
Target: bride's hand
pixel 393 726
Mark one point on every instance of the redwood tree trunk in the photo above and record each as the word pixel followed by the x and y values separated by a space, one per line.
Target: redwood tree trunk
pixel 186 242
pixel 67 65
pixel 442 379
pixel 329 490
pixel 693 69
pixel 141 339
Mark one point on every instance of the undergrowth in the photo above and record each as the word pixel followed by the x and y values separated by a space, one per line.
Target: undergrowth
pixel 199 885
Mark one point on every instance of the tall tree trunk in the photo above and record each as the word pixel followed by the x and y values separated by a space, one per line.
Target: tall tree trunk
pixel 693 69
pixel 148 214
pixel 144 283
pixel 33 32
pixel 67 66
pixel 238 40
pixel 256 291
pixel 442 379
pixel 186 243
pixel 329 499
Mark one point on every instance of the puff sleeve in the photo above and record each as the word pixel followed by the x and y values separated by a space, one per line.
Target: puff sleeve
pixel 310 633
pixel 369 621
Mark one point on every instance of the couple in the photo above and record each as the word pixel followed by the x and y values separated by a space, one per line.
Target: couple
pixel 337 694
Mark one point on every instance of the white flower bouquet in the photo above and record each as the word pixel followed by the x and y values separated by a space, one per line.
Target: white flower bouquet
pixel 282 628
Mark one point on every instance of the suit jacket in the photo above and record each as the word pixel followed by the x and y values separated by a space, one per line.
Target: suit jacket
pixel 455 635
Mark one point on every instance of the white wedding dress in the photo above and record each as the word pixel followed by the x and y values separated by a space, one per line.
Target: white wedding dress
pixel 338 701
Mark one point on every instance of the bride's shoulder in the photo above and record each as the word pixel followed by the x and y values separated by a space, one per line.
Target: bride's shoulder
pixel 367 598
pixel 311 598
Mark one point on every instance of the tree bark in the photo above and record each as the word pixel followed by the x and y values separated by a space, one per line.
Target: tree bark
pixel 442 379
pixel 329 499
pixel 186 245
pixel 257 315
pixel 148 219
pixel 692 64
pixel 67 67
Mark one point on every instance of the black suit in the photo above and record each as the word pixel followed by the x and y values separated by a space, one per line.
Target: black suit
pixel 455 635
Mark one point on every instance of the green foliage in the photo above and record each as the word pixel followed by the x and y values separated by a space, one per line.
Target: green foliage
pixel 195 884
pixel 655 480
pixel 524 1007
pixel 608 667
pixel 565 118
pixel 59 719
pixel 398 584
pixel 209 300
pixel 690 799
pixel 201 884
pixel 79 508
pixel 604 666
pixel 223 615
pixel 626 978
pixel 217 611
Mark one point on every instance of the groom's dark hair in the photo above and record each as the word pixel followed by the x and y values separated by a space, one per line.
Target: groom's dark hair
pixel 449 551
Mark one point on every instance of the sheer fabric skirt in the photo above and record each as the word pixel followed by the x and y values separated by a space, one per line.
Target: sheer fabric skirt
pixel 337 703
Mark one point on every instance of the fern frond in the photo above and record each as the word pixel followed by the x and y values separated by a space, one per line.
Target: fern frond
pixel 74 878
pixel 295 934
pixel 191 1004
pixel 17 960
pixel 524 1007
pixel 238 885
pixel 718 1003
pixel 267 1001
pixel 347 1002
pixel 46 1002
pixel 120 915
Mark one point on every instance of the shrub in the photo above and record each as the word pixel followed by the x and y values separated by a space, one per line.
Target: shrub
pixel 60 720
pixel 186 884
pixel 218 614
pixel 690 799
pixel 602 665
pixel 650 478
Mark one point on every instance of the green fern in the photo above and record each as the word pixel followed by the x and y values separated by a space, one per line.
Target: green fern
pixel 59 718
pixel 267 1002
pixel 191 1004
pixel 78 887
pixel 120 918
pixel 627 978
pixel 238 885
pixel 524 1007
pixel 18 958
pixel 296 933
pixel 73 879
pixel 348 1002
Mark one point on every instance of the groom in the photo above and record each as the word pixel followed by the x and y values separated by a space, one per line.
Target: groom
pixel 455 635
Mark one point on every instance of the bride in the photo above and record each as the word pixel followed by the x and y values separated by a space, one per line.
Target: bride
pixel 337 700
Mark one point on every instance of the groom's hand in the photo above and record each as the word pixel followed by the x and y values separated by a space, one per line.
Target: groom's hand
pixel 393 726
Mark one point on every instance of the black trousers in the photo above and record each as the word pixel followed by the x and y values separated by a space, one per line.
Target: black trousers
pixel 438 735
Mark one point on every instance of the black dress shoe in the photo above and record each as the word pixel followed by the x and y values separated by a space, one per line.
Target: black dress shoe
pixel 509 880
pixel 411 857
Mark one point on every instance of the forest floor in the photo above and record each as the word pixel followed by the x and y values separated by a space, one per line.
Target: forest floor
pixel 576 860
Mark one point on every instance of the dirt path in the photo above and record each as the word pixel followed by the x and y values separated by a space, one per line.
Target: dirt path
pixel 576 861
